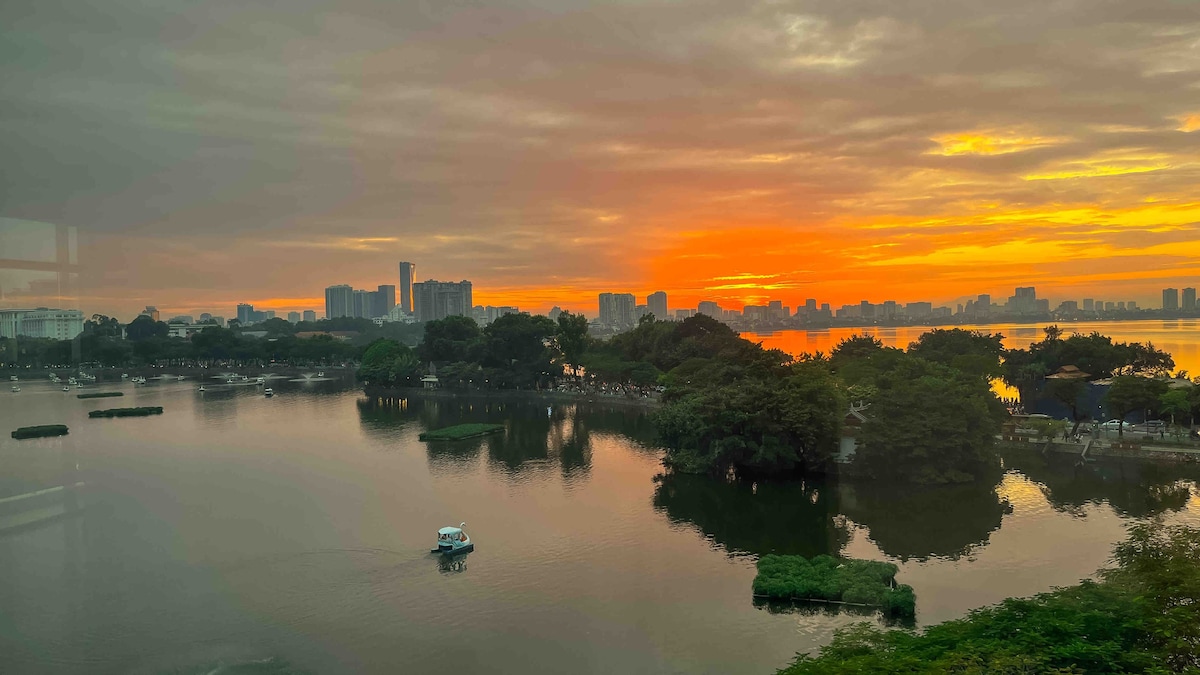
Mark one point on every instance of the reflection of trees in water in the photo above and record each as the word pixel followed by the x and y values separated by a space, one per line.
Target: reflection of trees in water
pixel 794 518
pixel 1132 488
pixel 537 435
pixel 813 607
pixel 909 521
pixel 381 417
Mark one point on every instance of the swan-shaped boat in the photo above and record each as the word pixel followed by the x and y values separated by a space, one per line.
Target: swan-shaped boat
pixel 452 540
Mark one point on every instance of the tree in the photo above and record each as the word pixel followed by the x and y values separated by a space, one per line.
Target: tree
pixel 1073 394
pixel 1128 393
pixel 1175 402
pixel 387 363
pixel 448 340
pixel 102 326
pixel 144 328
pixel 572 338
pixel 516 346
pixel 760 425
pixel 928 424
pixel 971 352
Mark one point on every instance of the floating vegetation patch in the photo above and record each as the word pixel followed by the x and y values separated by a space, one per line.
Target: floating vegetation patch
pixel 127 412
pixel 827 579
pixel 460 431
pixel 43 431
pixel 101 394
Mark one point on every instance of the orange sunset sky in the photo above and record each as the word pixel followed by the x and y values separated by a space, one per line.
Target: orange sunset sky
pixel 228 152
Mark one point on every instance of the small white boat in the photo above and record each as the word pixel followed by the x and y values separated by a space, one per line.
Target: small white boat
pixel 260 380
pixel 180 378
pixel 453 540
pixel 15 388
pixel 124 376
pixel 71 380
pixel 13 378
pixel 66 389
pixel 268 392
pixel 201 389
pixel 79 385
pixel 321 374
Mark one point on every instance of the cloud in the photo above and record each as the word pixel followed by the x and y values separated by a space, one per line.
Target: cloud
pixel 558 150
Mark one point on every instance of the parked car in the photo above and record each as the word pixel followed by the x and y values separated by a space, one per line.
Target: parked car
pixel 1115 424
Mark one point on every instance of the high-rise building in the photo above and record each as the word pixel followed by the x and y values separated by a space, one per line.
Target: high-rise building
pixel 1088 304
pixel 434 300
pixel 245 313
pixel 709 308
pixel 383 301
pixel 1024 301
pixel 1170 300
pixel 1189 300
pixel 293 317
pixel 408 276
pixel 554 312
pixel 310 316
pixel 656 304
pixel 362 304
pixel 618 310
pixel 150 311
pixel 339 301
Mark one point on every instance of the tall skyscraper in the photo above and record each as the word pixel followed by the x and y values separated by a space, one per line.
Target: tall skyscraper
pixel 1170 300
pixel 362 304
pixel 618 310
pixel 245 313
pixel 408 276
pixel 1024 301
pixel 385 300
pixel 1189 300
pixel 434 300
pixel 339 301
pixel 656 304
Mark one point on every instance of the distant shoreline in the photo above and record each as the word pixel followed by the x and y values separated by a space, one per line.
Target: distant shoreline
pixel 503 394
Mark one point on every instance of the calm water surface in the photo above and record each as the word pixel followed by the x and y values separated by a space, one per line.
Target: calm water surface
pixel 292 533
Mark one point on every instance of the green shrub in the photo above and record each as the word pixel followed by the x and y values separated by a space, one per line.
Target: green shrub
pixel 42 431
pixel 127 412
pixel 866 582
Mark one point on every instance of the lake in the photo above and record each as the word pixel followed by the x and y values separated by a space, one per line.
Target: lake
pixel 292 534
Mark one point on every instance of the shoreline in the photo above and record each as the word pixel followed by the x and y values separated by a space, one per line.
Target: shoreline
pixel 503 394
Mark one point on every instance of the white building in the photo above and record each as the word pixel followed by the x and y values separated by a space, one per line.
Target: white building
pixel 57 324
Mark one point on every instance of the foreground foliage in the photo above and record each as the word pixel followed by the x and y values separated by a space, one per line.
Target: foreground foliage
pixel 1142 617
pixel 863 582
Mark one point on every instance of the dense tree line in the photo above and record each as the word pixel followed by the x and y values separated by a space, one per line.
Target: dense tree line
pixel 143 341
pixel 516 351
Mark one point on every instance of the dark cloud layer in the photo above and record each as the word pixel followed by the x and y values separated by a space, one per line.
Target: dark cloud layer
pixel 224 150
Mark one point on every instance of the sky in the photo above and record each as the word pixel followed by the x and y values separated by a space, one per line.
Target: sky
pixel 217 152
